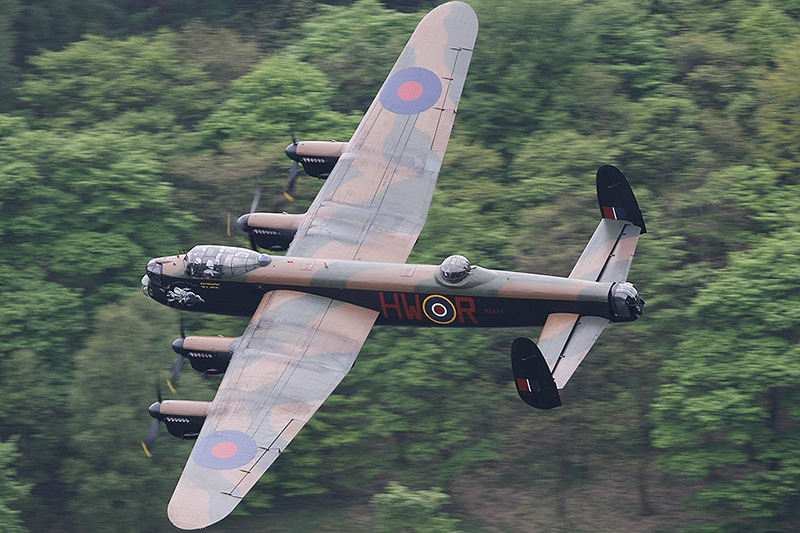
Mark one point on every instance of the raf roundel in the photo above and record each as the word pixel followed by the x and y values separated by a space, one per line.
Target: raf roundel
pixel 225 450
pixel 439 309
pixel 411 91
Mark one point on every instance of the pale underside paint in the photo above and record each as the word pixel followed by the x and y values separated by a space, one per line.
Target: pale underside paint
pixel 298 347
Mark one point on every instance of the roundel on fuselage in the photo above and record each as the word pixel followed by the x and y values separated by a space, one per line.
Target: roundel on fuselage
pixel 439 309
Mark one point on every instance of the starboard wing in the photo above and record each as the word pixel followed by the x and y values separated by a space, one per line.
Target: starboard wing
pixel 294 353
pixel 373 205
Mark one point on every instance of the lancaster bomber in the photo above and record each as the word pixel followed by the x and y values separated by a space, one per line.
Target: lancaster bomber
pixel 344 271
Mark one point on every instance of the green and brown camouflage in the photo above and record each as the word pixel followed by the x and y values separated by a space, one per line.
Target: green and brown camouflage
pixel 403 294
pixel 345 271
pixel 374 204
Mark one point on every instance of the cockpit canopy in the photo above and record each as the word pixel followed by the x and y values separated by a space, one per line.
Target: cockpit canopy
pixel 216 262
pixel 455 269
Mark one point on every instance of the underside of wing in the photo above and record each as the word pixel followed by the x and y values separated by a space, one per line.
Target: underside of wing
pixel 565 340
pixel 374 204
pixel 294 353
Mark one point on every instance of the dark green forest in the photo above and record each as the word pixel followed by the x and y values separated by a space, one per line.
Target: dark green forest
pixel 133 129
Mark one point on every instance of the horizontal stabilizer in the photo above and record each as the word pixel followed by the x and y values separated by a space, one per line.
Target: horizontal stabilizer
pixel 567 338
pixel 532 377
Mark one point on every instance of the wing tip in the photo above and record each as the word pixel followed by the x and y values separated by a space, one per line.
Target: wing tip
pixel 189 517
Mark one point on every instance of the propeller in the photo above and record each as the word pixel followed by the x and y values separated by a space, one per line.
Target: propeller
pixel 289 189
pixel 147 444
pixel 256 198
pixel 178 366
pixel 291 150
pixel 253 207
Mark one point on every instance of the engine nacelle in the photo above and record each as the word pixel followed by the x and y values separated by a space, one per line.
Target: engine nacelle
pixel 209 355
pixel 317 157
pixel 271 231
pixel 184 418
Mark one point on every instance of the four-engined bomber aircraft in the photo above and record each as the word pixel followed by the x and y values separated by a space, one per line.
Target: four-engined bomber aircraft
pixel 344 271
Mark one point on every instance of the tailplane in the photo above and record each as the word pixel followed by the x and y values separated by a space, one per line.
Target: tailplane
pixel 566 338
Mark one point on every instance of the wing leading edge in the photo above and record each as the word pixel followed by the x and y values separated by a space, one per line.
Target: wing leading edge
pixel 294 353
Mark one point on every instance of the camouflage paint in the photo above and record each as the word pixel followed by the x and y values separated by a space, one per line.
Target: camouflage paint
pixel 313 309
pixel 401 292
pixel 299 346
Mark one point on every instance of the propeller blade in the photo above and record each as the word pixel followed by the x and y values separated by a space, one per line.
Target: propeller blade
pixel 287 192
pixel 155 426
pixel 256 198
pixel 178 366
pixel 176 372
pixel 147 444
pixel 147 451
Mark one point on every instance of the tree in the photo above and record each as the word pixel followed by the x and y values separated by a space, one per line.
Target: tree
pixel 355 46
pixel 10 490
pixel 727 411
pixel 221 51
pixel 514 82
pixel 100 79
pixel 92 192
pixel 8 71
pixel 400 509
pixel 278 98
pixel 778 122
pixel 106 469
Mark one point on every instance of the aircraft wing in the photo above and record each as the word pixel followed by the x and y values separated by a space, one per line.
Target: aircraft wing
pixel 298 347
pixel 373 205
pixel 294 353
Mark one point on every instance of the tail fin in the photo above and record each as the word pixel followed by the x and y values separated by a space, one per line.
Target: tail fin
pixel 532 377
pixel 609 253
pixel 616 197
pixel 566 338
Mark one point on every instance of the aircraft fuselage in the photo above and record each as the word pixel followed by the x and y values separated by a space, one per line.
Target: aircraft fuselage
pixel 403 294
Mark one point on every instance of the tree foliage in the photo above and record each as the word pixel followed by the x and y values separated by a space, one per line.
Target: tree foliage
pixel 280 96
pixel 400 509
pixel 11 490
pixel 130 130
pixel 99 79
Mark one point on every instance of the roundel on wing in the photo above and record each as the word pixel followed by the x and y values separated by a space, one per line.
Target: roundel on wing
pixel 225 450
pixel 439 309
pixel 411 91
